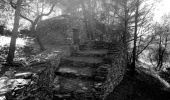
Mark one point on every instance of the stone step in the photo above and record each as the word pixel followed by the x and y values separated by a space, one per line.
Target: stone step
pixel 102 71
pixel 101 74
pixel 82 61
pixel 99 45
pixel 84 47
pixel 84 71
pixel 93 78
pixel 114 51
pixel 71 86
pixel 91 53
pixel 74 76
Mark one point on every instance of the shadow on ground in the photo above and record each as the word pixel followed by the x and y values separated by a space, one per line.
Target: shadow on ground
pixel 141 87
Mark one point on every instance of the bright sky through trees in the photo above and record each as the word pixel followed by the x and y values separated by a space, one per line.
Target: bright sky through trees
pixel 163 7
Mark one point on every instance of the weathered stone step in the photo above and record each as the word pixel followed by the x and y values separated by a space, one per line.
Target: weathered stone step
pixel 100 45
pixel 114 51
pixel 75 84
pixel 90 60
pixel 84 71
pixel 62 96
pixel 101 74
pixel 82 61
pixel 69 87
pixel 81 77
pixel 74 76
pixel 102 71
pixel 91 53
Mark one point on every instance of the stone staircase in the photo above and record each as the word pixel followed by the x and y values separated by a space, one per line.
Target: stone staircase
pixel 84 75
pixel 85 70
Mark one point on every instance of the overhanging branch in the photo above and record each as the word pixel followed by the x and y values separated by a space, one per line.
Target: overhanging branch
pixel 145 46
pixel 137 38
pixel 26 18
pixel 40 16
pixel 13 5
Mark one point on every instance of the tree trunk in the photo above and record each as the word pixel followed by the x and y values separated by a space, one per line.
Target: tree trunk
pixel 125 33
pixel 160 56
pixel 14 33
pixel 34 23
pixel 42 48
pixel 2 29
pixel 76 39
pixel 33 31
pixel 135 40
pixel 86 21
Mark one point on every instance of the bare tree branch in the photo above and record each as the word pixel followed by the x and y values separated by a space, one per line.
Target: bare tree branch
pixel 145 46
pixel 133 38
pixel 13 5
pixel 26 19
pixel 152 61
pixel 40 16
